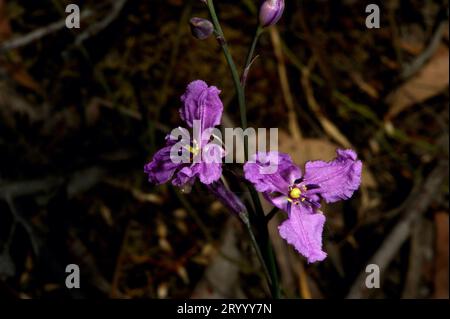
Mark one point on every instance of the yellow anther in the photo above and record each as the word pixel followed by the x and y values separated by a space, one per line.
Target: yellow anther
pixel 194 150
pixel 295 193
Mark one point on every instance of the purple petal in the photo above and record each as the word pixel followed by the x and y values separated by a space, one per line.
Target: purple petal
pixel 183 177
pixel 337 179
pixel 207 172
pixel 201 103
pixel 271 172
pixel 303 229
pixel 270 12
pixel 280 201
pixel 161 168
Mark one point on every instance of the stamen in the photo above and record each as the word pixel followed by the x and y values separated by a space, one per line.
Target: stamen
pixel 194 150
pixel 295 193
pixel 315 204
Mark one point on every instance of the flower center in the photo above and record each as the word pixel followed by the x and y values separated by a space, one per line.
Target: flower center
pixel 194 149
pixel 295 193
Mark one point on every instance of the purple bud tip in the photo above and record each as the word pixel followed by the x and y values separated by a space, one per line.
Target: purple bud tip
pixel 270 12
pixel 201 28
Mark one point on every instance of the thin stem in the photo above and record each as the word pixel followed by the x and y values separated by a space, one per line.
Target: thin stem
pixel 233 69
pixel 270 258
pixel 262 219
pixel 273 270
pixel 251 53
pixel 271 214
pixel 273 281
pixel 244 217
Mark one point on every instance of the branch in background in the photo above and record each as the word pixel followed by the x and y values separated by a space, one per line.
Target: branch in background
pixel 284 82
pixel 327 125
pixel 402 230
pixel 417 64
pixel 23 40
pixel 221 277
pixel 95 28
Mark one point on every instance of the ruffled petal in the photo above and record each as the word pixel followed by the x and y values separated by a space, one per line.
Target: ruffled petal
pixel 206 172
pixel 271 172
pixel 337 179
pixel 303 229
pixel 161 168
pixel 280 201
pixel 209 172
pixel 201 103
pixel 183 177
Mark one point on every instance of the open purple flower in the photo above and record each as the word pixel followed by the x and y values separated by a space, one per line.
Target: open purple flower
pixel 183 159
pixel 299 195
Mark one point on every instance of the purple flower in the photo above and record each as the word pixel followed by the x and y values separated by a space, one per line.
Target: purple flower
pixel 299 195
pixel 270 12
pixel 185 158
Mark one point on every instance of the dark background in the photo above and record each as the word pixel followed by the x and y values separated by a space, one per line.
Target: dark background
pixel 82 111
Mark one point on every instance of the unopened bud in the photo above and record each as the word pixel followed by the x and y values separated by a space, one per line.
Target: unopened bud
pixel 201 28
pixel 270 12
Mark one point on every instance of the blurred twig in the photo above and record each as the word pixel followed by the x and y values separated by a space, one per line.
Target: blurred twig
pixel 362 109
pixel 94 28
pixel 390 246
pixel 421 246
pixel 23 40
pixel 168 74
pixel 418 62
pixel 114 291
pixel 36 242
pixel 329 128
pixel 221 278
pixel 288 98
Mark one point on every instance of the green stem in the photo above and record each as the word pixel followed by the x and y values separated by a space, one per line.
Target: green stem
pixel 232 66
pixel 261 218
pixel 273 270
pixel 270 258
pixel 251 52
pixel 244 217
pixel 273 279
pixel 271 214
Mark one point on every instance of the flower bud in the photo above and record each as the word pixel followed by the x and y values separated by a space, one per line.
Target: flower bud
pixel 201 28
pixel 227 197
pixel 270 12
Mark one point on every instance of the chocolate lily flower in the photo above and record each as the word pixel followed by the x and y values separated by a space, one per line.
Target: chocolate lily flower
pixel 183 159
pixel 299 195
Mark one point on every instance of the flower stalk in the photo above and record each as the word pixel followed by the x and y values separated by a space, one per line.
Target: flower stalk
pixel 251 53
pixel 234 73
pixel 239 87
